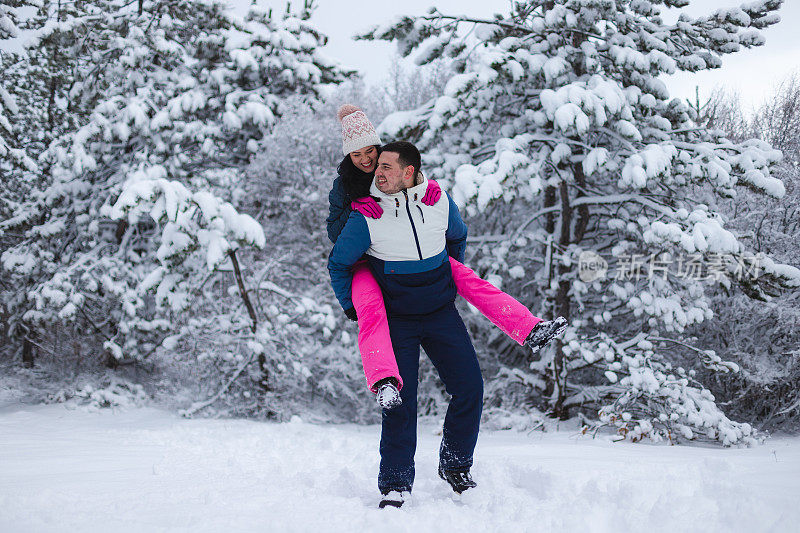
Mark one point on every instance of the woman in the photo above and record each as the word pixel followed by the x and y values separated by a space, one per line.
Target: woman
pixel 361 148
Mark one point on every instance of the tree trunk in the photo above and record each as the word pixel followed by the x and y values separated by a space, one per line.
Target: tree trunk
pixel 547 249
pixel 242 291
pixel 262 359
pixel 262 365
pixel 549 218
pixel 111 361
pixel 562 308
pixel 583 210
pixel 27 353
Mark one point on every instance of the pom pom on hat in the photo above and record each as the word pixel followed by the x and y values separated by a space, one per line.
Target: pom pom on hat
pixel 347 109
pixel 357 131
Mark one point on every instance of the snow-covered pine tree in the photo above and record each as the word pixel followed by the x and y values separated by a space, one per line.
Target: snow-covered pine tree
pixel 41 82
pixel 556 130
pixel 37 75
pixel 8 106
pixel 137 207
pixel 10 152
pixel 767 345
pixel 15 157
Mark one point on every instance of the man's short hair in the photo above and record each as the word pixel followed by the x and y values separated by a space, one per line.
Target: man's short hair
pixel 407 154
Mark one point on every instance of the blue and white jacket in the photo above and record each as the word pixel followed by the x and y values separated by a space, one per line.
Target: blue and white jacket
pixel 407 250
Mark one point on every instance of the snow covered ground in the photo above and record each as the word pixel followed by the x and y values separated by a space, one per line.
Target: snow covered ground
pixel 148 470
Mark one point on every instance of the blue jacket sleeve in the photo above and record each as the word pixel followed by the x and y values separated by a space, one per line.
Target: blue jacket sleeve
pixel 338 210
pixel 456 234
pixel 353 241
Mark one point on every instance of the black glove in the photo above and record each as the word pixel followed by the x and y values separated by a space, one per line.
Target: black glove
pixel 351 314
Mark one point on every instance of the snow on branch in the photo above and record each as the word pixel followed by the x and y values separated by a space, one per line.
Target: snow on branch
pixel 191 222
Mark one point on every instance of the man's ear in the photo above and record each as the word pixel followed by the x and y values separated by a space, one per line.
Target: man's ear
pixel 409 172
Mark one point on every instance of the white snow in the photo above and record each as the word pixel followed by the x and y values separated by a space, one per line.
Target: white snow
pixel 147 470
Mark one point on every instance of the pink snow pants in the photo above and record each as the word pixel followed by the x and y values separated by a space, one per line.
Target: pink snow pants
pixel 374 342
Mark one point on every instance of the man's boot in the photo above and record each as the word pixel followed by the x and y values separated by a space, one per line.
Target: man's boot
pixel 394 498
pixel 460 480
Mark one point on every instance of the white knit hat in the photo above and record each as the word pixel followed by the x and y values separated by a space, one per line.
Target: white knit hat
pixel 357 131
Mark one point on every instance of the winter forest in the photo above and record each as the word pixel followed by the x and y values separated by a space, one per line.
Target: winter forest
pixel 165 173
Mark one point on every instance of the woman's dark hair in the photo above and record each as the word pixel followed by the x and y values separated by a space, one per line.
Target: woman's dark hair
pixel 356 182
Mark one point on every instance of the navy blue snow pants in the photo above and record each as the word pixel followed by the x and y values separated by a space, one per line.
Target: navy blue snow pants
pixel 445 339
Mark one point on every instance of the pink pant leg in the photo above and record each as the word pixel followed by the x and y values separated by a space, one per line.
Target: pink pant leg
pixel 374 341
pixel 513 318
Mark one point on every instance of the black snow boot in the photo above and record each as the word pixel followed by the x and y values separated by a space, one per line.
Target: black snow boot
pixel 394 498
pixel 544 332
pixel 460 480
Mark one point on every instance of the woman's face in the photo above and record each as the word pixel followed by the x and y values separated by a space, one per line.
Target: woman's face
pixel 365 159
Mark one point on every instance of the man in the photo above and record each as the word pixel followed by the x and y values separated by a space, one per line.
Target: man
pixel 407 250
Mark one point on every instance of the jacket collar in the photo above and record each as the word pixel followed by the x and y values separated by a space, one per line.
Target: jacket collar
pixel 419 189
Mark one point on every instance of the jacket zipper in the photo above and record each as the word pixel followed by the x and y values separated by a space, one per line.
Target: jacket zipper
pixel 413 227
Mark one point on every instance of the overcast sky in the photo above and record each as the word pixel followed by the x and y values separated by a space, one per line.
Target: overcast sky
pixel 752 72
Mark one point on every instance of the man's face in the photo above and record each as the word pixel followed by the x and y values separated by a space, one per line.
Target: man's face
pixel 390 176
